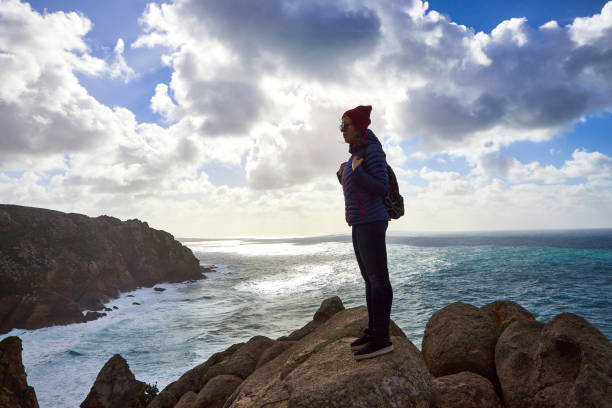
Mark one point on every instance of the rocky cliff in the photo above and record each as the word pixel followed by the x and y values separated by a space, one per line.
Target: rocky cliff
pixel 54 265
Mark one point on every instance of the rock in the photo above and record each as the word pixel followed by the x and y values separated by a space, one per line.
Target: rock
pixel 505 312
pixel 515 356
pixel 136 303
pixel 89 316
pixel 565 363
pixel 273 351
pixel 460 337
pixel 207 269
pixel 241 363
pixel 115 307
pixel 187 401
pixel 58 309
pixel 328 308
pixel 14 389
pixel 115 386
pixel 191 381
pixel 159 289
pixel 463 390
pixel 108 309
pixel 54 265
pixel 319 370
pixel 130 295
pixel 217 390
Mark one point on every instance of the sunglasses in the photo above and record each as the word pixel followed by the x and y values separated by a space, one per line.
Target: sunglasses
pixel 343 126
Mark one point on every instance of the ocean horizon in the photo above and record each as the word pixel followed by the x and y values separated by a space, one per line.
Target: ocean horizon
pixel 272 286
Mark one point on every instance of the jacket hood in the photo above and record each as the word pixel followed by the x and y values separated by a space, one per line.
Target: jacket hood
pixel 369 139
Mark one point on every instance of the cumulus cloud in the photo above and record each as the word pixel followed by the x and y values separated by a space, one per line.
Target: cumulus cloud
pixel 595 29
pixel 44 110
pixel 585 164
pixel 260 87
pixel 293 153
pixel 515 83
pixel 462 92
pixel 69 148
pixel 582 165
pixel 312 37
pixel 119 68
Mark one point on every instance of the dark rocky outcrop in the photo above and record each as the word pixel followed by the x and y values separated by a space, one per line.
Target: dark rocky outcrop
pixel 565 363
pixel 54 265
pixel 463 390
pixel 460 337
pixel 14 389
pixel 115 386
pixel 89 316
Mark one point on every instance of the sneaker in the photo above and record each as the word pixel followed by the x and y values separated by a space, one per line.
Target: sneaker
pixel 373 349
pixel 362 341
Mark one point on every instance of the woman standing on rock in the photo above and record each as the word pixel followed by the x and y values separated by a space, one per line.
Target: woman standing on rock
pixel 364 181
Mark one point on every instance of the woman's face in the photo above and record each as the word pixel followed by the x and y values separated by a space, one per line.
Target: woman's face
pixel 348 130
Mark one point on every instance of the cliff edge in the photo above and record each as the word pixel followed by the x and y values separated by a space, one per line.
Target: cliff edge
pixel 54 265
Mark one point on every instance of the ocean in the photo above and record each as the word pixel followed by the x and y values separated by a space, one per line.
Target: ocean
pixel 273 286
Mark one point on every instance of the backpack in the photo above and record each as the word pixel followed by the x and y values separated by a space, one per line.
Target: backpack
pixel 393 200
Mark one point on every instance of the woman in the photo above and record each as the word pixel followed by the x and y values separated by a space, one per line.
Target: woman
pixel 364 181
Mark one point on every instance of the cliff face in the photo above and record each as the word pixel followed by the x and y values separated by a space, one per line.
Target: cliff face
pixel 53 265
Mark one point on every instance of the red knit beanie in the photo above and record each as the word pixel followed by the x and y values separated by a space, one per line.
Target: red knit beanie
pixel 360 117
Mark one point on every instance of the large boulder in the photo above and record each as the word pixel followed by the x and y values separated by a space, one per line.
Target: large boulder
pixel 216 391
pixel 319 370
pixel 188 400
pixel 14 389
pixel 515 356
pixel 115 386
pixel 505 312
pixel 565 363
pixel 463 390
pixel 460 337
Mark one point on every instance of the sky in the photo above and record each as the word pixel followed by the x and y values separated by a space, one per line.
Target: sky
pixel 220 119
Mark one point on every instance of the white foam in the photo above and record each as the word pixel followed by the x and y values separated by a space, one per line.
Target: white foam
pixel 300 279
pixel 251 249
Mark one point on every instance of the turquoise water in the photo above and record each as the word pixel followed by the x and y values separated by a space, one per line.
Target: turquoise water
pixel 271 287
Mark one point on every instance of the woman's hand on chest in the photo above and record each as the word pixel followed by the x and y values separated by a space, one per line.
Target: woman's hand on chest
pixel 356 162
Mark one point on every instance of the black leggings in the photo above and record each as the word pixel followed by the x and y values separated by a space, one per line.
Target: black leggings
pixel 371 253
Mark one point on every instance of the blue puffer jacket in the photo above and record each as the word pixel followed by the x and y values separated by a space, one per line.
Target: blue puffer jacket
pixel 366 185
